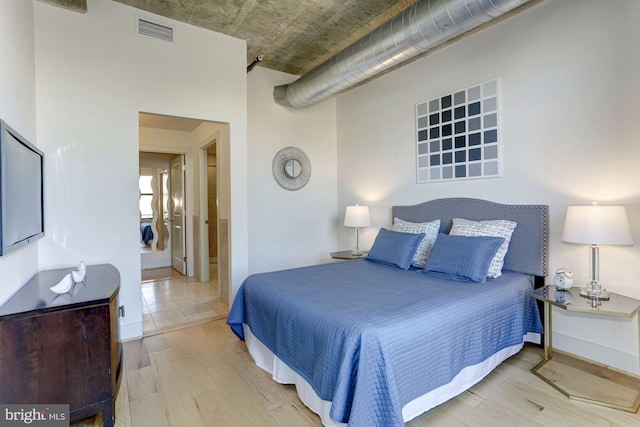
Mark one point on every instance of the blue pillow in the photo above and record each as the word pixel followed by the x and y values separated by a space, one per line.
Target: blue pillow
pixel 462 258
pixel 394 248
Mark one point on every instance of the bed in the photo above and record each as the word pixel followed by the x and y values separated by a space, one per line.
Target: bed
pixel 371 343
pixel 146 232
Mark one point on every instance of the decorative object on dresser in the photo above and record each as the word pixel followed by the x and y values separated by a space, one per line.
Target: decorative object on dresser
pixel 78 275
pixel 596 225
pixel 357 216
pixel 67 352
pixel 67 283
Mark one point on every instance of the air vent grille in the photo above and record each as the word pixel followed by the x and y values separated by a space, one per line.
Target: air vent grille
pixel 155 30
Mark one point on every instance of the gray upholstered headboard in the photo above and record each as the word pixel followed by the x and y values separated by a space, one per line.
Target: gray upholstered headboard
pixel 528 248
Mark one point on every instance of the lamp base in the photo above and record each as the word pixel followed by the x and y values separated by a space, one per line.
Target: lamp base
pixel 594 292
pixel 357 253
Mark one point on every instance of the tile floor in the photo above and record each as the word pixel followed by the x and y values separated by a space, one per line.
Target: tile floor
pixel 170 300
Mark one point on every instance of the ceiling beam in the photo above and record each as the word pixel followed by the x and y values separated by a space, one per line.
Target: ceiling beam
pixel 75 5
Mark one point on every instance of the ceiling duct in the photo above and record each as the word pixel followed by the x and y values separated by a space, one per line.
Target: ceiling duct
pixel 419 28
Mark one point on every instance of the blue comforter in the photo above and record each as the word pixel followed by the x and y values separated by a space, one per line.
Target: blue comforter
pixel 370 338
pixel 146 232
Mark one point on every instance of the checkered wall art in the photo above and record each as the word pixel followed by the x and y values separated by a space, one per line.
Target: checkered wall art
pixel 458 135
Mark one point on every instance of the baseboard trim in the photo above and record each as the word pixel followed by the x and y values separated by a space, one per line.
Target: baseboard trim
pixel 130 331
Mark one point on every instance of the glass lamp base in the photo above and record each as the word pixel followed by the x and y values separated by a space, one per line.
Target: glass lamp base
pixel 594 292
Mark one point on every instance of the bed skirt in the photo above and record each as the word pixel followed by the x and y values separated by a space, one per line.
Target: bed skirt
pixel 469 376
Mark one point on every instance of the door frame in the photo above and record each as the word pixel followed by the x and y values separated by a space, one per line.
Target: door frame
pixel 180 163
pixel 204 206
pixel 202 136
pixel 218 134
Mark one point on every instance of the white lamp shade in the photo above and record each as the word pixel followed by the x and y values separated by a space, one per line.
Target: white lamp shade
pixel 597 225
pixel 357 216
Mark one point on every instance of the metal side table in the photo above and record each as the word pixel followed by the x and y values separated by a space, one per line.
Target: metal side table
pixel 582 379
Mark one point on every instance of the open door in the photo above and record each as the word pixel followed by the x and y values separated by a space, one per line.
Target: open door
pixel 177 216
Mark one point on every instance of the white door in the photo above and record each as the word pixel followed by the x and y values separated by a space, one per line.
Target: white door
pixel 177 216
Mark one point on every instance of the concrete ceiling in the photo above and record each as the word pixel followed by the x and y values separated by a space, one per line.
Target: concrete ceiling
pixel 293 36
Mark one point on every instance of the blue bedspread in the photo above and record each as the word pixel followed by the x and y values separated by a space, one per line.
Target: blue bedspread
pixel 146 232
pixel 370 338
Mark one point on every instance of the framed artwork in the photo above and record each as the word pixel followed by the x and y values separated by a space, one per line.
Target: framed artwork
pixel 458 135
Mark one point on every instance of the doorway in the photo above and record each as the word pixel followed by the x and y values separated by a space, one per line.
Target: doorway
pixel 157 239
pixel 172 300
pixel 212 208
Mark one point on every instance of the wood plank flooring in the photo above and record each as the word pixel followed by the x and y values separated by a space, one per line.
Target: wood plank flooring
pixel 586 380
pixel 204 376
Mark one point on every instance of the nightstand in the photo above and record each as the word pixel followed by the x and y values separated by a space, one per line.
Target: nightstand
pixel 346 255
pixel 578 378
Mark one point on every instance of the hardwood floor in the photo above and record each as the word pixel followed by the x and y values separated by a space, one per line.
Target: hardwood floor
pixel 204 376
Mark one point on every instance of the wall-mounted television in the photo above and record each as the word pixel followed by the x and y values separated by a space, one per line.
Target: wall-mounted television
pixel 21 190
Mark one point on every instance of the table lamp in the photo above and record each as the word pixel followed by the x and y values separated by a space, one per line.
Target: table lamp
pixel 596 225
pixel 357 216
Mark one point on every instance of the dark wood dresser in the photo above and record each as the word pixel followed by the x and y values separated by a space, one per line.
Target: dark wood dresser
pixel 63 348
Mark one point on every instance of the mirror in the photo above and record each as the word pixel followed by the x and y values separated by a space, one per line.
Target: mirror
pixel 292 168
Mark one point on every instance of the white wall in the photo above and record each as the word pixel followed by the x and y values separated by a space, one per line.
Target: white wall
pixel 289 228
pixel 18 109
pixel 569 97
pixel 94 76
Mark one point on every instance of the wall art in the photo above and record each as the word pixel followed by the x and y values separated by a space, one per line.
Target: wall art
pixel 458 135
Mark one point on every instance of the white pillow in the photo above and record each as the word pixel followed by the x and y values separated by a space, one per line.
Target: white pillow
pixel 495 228
pixel 429 229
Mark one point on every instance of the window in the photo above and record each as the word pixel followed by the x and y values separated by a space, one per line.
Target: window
pixel 146 193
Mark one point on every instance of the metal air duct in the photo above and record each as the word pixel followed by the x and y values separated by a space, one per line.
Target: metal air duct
pixel 419 28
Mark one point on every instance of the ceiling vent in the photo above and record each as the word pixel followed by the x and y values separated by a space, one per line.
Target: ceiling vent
pixel 155 30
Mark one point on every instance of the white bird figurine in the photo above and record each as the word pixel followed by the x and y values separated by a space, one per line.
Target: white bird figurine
pixel 63 285
pixel 78 275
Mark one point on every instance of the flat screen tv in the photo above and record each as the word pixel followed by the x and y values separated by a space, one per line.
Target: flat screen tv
pixel 21 190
